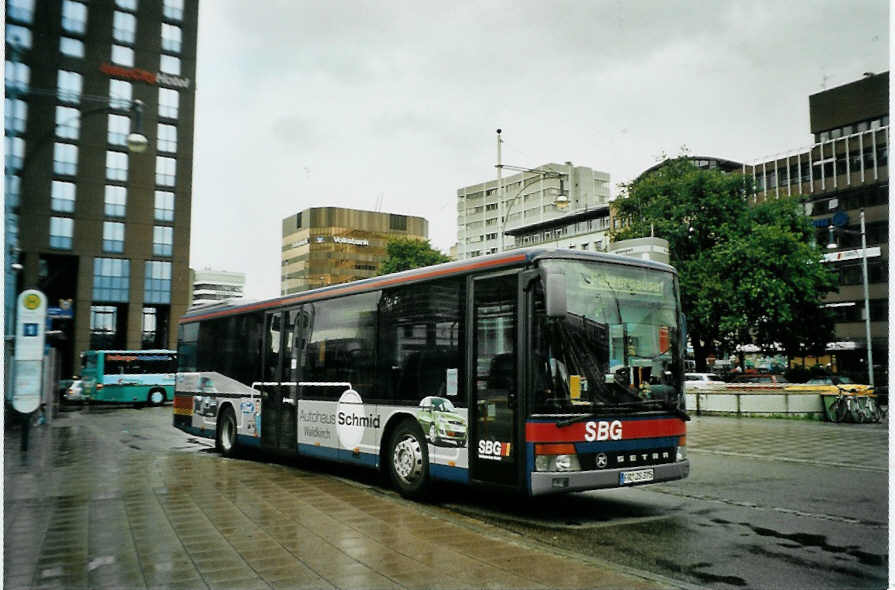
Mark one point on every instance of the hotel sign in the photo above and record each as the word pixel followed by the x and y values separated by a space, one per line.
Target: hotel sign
pixel 157 78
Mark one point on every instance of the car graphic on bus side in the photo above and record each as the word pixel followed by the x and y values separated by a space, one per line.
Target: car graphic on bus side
pixel 443 427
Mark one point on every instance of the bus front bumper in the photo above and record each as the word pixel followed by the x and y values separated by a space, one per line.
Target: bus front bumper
pixel 557 482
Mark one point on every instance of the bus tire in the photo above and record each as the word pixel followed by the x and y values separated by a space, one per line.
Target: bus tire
pixel 408 461
pixel 226 433
pixel 156 397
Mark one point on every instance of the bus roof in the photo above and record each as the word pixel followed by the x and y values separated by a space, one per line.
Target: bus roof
pixel 518 257
pixel 153 351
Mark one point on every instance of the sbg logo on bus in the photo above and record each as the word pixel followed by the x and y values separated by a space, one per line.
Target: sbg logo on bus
pixel 603 431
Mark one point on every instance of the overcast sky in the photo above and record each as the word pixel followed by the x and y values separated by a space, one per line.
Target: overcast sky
pixel 304 104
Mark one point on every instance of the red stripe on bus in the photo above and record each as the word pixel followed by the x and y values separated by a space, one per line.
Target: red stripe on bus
pixel 351 289
pixel 550 432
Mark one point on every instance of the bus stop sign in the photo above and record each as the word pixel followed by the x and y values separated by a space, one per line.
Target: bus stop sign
pixel 31 322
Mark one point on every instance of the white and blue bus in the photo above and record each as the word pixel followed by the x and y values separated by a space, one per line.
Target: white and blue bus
pixel 542 371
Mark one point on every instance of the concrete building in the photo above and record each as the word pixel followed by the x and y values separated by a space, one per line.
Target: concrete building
pixel 87 220
pixel 492 220
pixel 844 171
pixel 213 286
pixel 330 245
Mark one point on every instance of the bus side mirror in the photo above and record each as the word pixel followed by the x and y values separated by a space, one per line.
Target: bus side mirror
pixel 555 295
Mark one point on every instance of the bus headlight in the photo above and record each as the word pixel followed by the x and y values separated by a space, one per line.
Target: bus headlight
pixel 556 457
pixel 567 463
pixel 682 449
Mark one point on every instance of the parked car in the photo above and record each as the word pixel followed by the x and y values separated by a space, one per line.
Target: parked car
pixel 74 392
pixel 761 379
pixel 701 380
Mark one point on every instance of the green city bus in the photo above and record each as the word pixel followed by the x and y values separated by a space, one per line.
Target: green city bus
pixel 129 376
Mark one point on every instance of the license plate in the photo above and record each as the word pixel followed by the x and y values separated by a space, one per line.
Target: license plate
pixel 639 476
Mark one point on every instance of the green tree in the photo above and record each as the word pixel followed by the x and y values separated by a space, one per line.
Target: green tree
pixel 748 273
pixel 407 253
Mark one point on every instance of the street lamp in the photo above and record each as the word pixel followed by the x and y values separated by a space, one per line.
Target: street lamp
pixel 561 201
pixel 832 245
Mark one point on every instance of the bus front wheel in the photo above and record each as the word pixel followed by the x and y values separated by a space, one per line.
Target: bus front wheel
pixel 226 434
pixel 408 461
pixel 156 397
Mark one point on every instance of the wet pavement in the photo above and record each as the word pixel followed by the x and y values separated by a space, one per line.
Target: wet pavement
pixel 120 499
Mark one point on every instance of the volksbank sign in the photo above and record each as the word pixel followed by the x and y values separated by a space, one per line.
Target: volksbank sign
pixel 157 78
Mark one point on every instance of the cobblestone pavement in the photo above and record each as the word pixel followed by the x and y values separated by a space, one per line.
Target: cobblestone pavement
pixel 823 443
pixel 84 510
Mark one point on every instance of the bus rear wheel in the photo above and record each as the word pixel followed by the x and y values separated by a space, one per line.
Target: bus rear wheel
pixel 408 461
pixel 226 434
pixel 156 397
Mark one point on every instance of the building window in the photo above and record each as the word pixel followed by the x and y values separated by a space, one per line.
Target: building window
pixel 65 159
pixel 165 171
pixel 127 4
pixel 20 10
pixel 164 206
pixel 113 236
pixel 397 222
pixel 116 165
pixel 115 201
pixel 62 196
pixel 103 326
pixel 74 17
pixel 15 153
pixel 17 76
pixel 71 47
pixel 119 129
pixel 68 122
pixel 123 56
pixel 124 27
pixel 61 231
pixel 162 240
pixel 120 93
pixel 157 283
pixel 168 101
pixel 69 86
pixel 169 64
pixel 172 38
pixel 13 186
pixel 173 9
pixel 111 278
pixel 167 138
pixel 15 115
pixel 150 323
pixel 18 35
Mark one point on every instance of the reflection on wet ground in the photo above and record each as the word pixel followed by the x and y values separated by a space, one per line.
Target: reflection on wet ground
pixel 87 507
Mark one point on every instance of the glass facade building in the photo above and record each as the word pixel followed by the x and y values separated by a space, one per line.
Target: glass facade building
pixel 99 229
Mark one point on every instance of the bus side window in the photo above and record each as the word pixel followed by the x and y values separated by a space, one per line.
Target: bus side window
pixel 421 342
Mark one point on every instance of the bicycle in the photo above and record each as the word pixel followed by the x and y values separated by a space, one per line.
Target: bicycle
pixel 844 407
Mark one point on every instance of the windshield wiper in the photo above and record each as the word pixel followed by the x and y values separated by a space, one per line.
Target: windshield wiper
pixel 626 407
pixel 678 412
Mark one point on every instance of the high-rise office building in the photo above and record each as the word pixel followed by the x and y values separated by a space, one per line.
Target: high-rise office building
pixel 214 286
pixel 520 210
pixel 845 172
pixel 90 223
pixel 329 245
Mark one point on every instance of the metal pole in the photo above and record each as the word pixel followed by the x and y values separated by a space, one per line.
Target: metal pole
pixel 499 190
pixel 866 302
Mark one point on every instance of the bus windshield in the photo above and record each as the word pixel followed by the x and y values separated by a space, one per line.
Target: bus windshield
pixel 618 346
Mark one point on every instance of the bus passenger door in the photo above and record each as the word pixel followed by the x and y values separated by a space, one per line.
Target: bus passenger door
pixel 278 398
pixel 494 450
